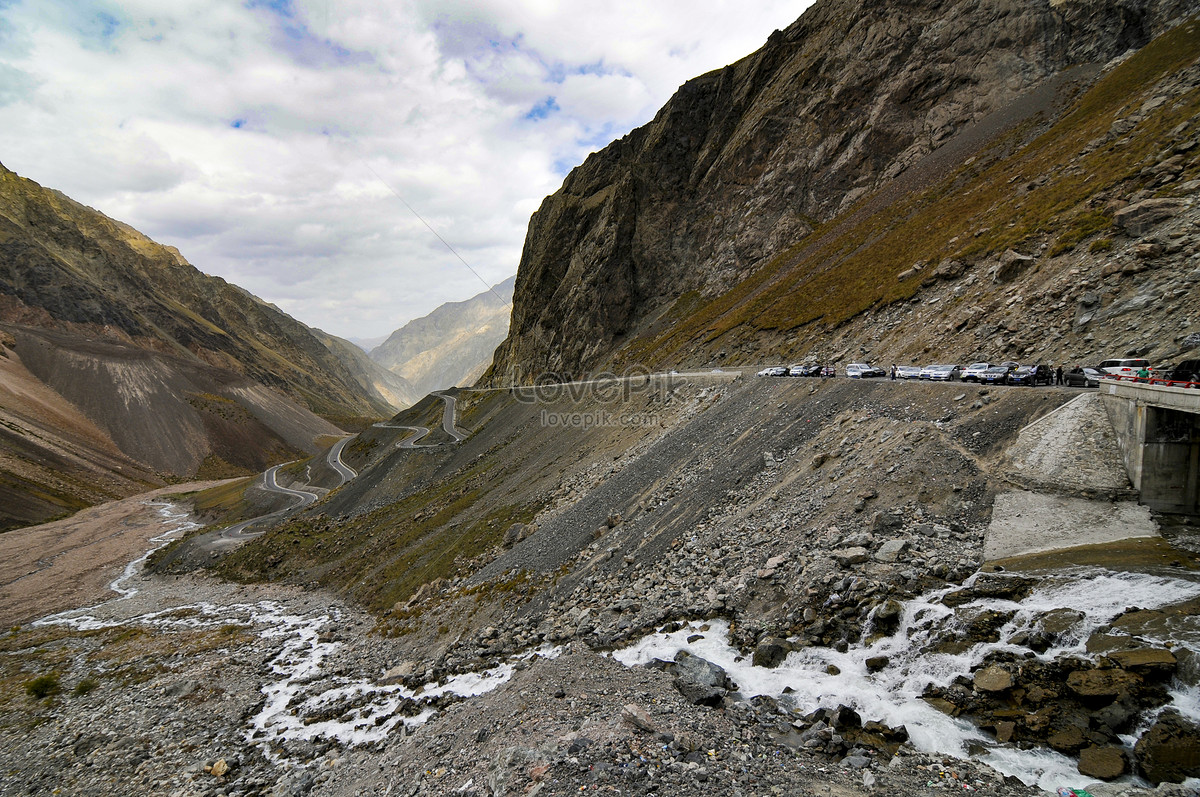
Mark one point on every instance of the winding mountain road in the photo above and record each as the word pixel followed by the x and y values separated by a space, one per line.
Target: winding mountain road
pixel 344 471
pixel 241 531
pixel 448 417
pixel 449 413
pixel 418 433
pixel 244 530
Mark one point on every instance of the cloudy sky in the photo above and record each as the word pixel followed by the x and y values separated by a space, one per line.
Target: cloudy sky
pixel 286 145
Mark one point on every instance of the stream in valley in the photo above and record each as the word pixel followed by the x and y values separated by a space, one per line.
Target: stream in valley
pixel 303 700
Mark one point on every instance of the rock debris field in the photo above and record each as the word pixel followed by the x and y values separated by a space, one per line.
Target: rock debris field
pixel 899 684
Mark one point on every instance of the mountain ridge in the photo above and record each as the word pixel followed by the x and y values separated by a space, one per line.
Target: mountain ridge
pixel 452 345
pixel 745 161
pixel 126 367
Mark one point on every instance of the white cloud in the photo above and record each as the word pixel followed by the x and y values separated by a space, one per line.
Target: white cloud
pixel 265 138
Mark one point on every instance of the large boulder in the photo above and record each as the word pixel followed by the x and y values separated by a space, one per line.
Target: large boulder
pixel 993 679
pixel 1101 685
pixel 1104 763
pixel 1138 219
pixel 699 680
pixel 1153 662
pixel 1170 750
pixel 771 652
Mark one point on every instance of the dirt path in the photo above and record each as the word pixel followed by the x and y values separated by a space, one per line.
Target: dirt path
pixel 71 562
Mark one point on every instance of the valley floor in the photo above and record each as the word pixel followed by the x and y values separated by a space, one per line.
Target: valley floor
pixel 188 685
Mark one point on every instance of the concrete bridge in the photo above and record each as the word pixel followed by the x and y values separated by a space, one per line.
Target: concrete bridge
pixel 1158 431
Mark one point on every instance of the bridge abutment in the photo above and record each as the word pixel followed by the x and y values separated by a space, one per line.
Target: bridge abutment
pixel 1158 430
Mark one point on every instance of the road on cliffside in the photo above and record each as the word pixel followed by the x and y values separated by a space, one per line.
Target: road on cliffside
pixel 344 471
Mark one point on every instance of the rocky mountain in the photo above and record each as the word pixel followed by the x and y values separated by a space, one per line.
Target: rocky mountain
pixel 372 376
pixel 822 180
pixel 453 345
pixel 125 365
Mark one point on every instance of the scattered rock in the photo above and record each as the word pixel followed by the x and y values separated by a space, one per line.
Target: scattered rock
pixel 1105 763
pixel 993 679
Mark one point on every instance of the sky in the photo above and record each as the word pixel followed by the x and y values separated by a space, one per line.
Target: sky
pixel 304 149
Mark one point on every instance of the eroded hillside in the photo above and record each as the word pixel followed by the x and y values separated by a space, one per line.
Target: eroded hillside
pixel 955 155
pixel 126 366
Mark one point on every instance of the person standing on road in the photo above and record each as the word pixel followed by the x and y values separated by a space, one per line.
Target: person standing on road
pixel 1058 375
pixel 893 372
pixel 1143 374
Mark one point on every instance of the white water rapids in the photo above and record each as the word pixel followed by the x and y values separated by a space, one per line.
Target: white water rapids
pixel 299 687
pixel 893 695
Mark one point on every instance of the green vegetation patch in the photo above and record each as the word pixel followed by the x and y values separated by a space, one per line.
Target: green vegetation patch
pixel 43 686
pixel 382 557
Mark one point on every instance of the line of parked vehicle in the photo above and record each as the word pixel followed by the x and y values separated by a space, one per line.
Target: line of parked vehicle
pixel 1185 374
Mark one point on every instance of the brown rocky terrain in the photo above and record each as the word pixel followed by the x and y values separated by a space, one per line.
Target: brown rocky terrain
pixel 804 516
pixel 710 583
pixel 977 169
pixel 125 366
pixel 451 346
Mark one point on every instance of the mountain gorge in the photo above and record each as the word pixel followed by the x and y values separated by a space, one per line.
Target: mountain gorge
pixel 453 345
pixel 816 182
pixel 154 369
pixel 695 580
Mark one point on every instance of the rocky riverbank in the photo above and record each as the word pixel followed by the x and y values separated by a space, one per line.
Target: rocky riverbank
pixel 192 686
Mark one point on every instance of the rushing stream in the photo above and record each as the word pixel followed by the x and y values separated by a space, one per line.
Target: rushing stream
pixel 360 711
pixel 893 695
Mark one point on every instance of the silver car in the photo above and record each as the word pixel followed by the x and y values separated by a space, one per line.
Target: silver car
pixel 863 371
pixel 974 372
pixel 942 373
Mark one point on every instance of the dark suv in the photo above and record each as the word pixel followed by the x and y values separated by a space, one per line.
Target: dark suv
pixel 1031 375
pixel 1186 371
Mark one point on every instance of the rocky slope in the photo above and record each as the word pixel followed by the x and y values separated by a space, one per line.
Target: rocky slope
pixel 66 267
pixel 53 458
pixel 795 516
pixel 453 345
pixel 125 365
pixel 823 178
pixel 373 377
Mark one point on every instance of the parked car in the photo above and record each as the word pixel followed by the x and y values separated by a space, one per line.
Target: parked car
pixel 807 369
pixel 1031 375
pixel 863 371
pixel 1122 368
pixel 973 371
pixel 995 375
pixel 1082 377
pixel 774 370
pixel 1187 373
pixel 942 373
pixel 908 372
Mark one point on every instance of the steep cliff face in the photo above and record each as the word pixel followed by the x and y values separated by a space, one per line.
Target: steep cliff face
pixel 450 346
pixel 745 161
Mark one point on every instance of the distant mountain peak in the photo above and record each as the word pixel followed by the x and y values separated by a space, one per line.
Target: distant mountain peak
pixel 452 345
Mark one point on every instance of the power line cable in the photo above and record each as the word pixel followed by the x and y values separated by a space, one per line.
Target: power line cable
pixel 429 226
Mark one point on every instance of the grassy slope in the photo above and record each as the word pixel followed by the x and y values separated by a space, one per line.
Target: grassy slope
pixel 841 270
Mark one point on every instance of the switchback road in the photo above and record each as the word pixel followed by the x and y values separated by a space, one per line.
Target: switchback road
pixel 344 471
pixel 241 531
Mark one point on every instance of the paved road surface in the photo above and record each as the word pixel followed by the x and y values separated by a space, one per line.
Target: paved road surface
pixel 448 415
pixel 344 471
pixel 241 531
pixel 418 433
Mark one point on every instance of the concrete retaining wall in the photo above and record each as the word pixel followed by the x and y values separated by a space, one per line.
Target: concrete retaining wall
pixel 1158 430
